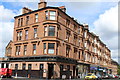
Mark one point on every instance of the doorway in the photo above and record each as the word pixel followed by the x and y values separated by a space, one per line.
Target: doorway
pixel 50 71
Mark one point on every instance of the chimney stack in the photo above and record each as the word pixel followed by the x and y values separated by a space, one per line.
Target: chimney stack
pixel 42 4
pixel 86 26
pixel 62 8
pixel 26 10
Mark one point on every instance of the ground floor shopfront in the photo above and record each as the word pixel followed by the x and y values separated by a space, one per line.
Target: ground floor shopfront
pixel 44 67
pixel 49 67
pixel 98 70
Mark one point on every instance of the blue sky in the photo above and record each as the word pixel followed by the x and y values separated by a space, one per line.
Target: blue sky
pixel 97 14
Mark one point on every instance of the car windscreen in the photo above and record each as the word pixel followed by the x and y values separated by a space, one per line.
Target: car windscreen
pixel 89 74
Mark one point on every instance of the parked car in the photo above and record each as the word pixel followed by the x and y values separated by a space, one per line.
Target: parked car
pixel 99 76
pixel 116 76
pixel 109 76
pixel 91 76
pixel 5 72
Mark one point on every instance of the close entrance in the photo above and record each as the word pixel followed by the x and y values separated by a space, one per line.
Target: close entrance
pixel 50 71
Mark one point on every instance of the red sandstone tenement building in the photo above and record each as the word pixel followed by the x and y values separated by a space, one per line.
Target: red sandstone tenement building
pixel 48 43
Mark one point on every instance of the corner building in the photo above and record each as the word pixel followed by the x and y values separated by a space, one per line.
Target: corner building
pixel 48 43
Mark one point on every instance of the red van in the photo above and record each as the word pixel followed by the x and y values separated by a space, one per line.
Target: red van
pixel 5 72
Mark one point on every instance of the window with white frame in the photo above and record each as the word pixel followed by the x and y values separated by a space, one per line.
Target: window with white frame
pixel 34 48
pixel 52 15
pixel 26 34
pixel 25 49
pixel 51 48
pixel 17 50
pixel 19 35
pixel 51 31
pixel 47 15
pixel 35 32
pixel 36 17
pixel 67 34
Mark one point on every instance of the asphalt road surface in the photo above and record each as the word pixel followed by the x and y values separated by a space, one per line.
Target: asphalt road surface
pixel 45 79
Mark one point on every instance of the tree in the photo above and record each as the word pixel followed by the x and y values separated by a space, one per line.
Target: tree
pixel 118 71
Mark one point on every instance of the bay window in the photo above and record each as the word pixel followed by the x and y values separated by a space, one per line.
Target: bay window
pixel 46 12
pixel 51 31
pixel 45 31
pixel 52 15
pixel 51 48
pixel 45 48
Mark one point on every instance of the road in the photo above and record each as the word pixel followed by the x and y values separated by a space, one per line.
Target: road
pixel 45 79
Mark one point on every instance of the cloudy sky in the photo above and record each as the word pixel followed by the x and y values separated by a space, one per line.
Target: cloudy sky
pixel 102 18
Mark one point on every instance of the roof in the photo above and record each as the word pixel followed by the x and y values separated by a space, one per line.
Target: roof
pixel 48 7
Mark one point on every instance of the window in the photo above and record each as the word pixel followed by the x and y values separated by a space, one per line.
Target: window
pixel 16 66
pixel 25 49
pixel 19 35
pixel 26 34
pixel 34 48
pixel 23 66
pixel 85 44
pixel 52 15
pixel 27 19
pixel 67 35
pixel 45 31
pixel 75 50
pixel 36 17
pixel 18 22
pixel 29 66
pixel 41 66
pixel 67 22
pixel 51 31
pixel 67 50
pixel 45 48
pixel 79 54
pixel 17 50
pixel 79 30
pixel 85 34
pixel 21 21
pixel 75 38
pixel 79 41
pixel 61 67
pixel 46 12
pixel 35 32
pixel 2 65
pixel 51 48
pixel 75 27
pixel 68 67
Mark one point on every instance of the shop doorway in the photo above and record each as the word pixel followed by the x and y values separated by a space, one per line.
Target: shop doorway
pixel 50 71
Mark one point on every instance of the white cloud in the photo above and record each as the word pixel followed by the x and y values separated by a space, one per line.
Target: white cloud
pixel 6 14
pixel 6 28
pixel 107 28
